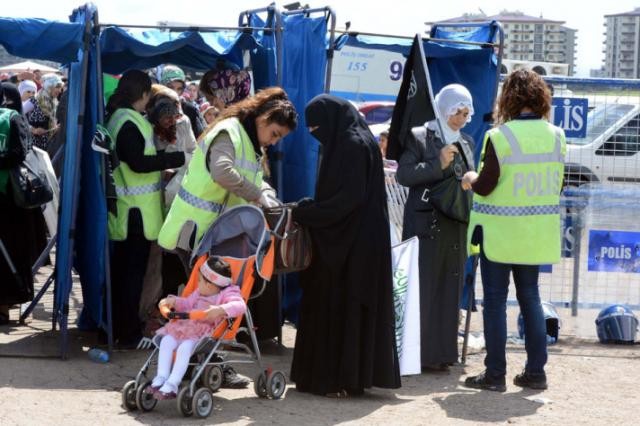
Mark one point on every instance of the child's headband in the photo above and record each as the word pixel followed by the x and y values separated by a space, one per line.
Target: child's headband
pixel 213 276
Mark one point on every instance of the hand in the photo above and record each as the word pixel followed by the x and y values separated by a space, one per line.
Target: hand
pixel 446 155
pixel 468 179
pixel 169 301
pixel 268 201
pixel 214 313
pixel 38 131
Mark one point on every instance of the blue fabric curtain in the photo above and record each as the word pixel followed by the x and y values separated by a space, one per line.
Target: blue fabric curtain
pixel 263 57
pixel 91 223
pixel 303 78
pixel 128 49
pixel 71 238
pixel 304 67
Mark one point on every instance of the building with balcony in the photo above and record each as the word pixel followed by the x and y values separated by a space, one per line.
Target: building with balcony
pixel 528 38
pixel 622 45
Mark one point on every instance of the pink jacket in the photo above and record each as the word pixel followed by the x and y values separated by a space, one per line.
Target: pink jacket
pixel 228 299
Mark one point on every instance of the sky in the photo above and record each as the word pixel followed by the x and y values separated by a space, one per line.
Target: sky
pixel 397 17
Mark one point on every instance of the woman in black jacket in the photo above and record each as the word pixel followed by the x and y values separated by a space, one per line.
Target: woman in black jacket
pixel 437 212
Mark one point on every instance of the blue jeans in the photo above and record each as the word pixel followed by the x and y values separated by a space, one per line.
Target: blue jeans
pixel 495 283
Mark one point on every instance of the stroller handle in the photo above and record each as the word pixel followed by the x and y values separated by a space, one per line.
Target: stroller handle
pixel 193 315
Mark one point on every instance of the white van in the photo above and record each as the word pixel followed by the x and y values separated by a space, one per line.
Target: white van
pixel 610 151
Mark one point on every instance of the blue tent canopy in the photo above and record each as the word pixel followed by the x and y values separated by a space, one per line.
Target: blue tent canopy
pixel 41 39
pixel 126 49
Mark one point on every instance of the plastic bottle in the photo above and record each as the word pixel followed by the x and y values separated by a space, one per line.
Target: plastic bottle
pixel 98 355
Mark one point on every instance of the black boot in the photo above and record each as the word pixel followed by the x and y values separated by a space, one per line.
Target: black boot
pixel 483 381
pixel 531 381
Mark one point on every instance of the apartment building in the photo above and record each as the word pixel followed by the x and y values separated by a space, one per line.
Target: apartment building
pixel 528 38
pixel 621 45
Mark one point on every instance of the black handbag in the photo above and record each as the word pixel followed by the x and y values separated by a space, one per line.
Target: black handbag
pixel 447 196
pixel 29 183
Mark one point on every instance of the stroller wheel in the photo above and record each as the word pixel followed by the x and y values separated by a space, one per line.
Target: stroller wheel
pixel 260 384
pixel 184 402
pixel 202 404
pixel 144 400
pixel 276 384
pixel 212 377
pixel 129 396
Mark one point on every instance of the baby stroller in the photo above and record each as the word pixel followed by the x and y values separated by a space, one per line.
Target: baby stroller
pixel 241 236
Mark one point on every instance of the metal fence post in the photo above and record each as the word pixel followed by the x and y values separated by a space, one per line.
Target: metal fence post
pixel 577 226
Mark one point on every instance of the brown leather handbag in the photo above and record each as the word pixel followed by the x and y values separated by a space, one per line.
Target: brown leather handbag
pixel 293 241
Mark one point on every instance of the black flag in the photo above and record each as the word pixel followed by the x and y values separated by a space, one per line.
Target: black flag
pixel 414 102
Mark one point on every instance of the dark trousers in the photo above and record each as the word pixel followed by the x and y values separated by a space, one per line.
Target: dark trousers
pixel 495 283
pixel 128 266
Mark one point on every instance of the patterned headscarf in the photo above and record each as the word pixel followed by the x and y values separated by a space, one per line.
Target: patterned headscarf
pixel 227 85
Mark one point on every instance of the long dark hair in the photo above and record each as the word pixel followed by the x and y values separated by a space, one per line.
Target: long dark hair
pixel 272 102
pixel 132 86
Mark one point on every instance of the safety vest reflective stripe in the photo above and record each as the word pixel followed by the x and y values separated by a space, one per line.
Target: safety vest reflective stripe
pixel 198 202
pixel 138 190
pixel 515 210
pixel 518 157
pixel 241 162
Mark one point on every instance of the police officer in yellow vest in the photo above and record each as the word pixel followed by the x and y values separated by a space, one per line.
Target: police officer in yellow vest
pixel 225 169
pixel 515 220
pixel 137 217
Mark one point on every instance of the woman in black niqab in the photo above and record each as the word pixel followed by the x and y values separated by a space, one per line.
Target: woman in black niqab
pixel 346 338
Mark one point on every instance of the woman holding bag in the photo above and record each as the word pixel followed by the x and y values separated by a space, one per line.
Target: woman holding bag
pixel 437 211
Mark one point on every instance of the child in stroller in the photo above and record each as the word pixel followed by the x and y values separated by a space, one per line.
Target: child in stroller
pixel 215 299
pixel 241 237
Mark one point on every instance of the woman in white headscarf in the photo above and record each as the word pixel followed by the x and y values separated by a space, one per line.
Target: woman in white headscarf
pixel 42 116
pixel 437 212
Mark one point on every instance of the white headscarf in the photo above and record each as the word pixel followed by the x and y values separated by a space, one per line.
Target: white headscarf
pixel 26 86
pixel 449 100
pixel 51 80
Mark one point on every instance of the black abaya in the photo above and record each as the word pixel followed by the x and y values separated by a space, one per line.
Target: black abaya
pixel 346 335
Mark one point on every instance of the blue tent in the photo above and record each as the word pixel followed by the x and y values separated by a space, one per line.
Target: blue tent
pixel 68 43
pixel 297 62
pixel 474 65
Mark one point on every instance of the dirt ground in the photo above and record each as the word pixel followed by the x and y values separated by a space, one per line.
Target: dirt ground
pixel 589 384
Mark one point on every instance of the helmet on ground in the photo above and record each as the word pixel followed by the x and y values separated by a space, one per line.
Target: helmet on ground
pixel 617 324
pixel 172 73
pixel 551 319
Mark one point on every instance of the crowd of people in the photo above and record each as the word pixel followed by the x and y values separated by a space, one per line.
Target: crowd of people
pixel 188 150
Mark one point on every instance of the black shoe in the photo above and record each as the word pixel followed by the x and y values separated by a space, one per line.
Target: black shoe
pixel 531 381
pixel 233 380
pixel 482 381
